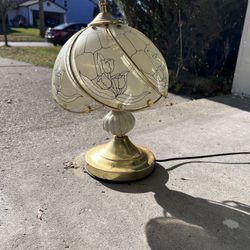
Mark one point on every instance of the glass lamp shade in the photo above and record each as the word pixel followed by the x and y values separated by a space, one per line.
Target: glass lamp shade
pixel 65 94
pixel 117 66
pixel 112 64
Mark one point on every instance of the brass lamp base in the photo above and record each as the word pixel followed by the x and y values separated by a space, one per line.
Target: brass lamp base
pixel 119 160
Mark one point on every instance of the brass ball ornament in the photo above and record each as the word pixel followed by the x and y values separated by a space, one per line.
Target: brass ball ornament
pixel 111 64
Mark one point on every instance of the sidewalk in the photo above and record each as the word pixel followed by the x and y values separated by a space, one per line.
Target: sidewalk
pixel 27 44
pixel 188 204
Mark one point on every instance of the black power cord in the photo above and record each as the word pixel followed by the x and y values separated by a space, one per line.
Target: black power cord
pixel 202 156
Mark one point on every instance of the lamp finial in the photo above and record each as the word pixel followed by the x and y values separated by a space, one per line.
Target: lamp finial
pixel 103 6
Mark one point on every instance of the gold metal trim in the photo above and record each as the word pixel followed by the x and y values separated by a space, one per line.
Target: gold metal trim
pixel 103 6
pixel 71 74
pixel 119 160
pixel 77 85
pixel 67 61
pixel 104 18
pixel 140 74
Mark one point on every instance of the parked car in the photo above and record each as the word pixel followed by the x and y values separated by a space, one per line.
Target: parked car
pixel 61 33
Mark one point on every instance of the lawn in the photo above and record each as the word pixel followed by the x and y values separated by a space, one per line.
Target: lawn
pixel 40 56
pixel 22 35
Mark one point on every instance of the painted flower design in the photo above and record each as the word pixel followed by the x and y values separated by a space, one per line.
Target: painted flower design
pixel 104 82
pixel 106 64
pixel 159 69
pixel 108 85
pixel 117 84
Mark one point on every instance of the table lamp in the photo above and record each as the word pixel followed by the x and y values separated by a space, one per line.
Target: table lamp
pixel 111 64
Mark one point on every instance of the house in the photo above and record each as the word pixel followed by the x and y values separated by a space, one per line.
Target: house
pixel 80 11
pixel 241 84
pixel 28 13
pixel 56 12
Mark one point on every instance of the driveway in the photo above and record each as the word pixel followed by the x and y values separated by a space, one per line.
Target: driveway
pixel 28 44
pixel 185 204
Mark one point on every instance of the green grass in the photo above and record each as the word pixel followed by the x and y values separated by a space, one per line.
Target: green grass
pixel 39 56
pixel 22 35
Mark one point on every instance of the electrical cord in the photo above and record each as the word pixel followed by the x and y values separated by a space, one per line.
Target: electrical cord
pixel 201 156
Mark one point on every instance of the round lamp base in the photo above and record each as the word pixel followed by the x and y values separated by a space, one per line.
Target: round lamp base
pixel 119 160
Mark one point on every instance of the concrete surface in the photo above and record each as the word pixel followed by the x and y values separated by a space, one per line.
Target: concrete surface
pixel 27 44
pixel 188 204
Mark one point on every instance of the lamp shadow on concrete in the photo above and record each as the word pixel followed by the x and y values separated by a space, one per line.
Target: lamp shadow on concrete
pixel 189 222
pixel 242 103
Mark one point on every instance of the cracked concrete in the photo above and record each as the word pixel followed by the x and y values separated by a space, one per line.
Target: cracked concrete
pixel 187 204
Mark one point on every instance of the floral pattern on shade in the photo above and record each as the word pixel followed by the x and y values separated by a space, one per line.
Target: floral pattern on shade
pixel 108 85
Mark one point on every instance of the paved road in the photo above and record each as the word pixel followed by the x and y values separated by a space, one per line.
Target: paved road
pixel 187 204
pixel 28 44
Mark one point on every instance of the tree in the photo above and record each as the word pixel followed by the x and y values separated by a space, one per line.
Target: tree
pixel 199 38
pixel 5 6
pixel 41 19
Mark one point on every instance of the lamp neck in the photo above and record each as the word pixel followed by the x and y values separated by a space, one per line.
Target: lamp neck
pixel 103 6
pixel 104 17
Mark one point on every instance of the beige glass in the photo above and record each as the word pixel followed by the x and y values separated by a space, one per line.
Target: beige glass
pixel 65 94
pixel 117 66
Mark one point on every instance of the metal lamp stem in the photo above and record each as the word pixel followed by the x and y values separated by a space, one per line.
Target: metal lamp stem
pixel 119 160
